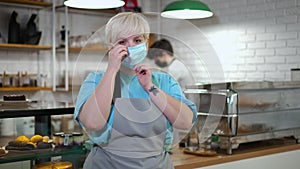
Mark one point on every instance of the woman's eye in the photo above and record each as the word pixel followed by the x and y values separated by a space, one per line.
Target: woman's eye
pixel 138 40
pixel 121 42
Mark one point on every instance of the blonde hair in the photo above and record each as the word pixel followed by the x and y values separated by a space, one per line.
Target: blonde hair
pixel 126 23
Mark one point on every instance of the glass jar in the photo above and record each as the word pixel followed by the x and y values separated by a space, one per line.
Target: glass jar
pixel 295 74
pixel 56 138
pixel 77 138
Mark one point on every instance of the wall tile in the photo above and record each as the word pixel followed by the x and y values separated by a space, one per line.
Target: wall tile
pixel 256 45
pixel 256 61
pixel 286 19
pixel 286 51
pixel 293 43
pixel 265 37
pixel 293 27
pixel 276 28
pixel 286 35
pixel 275 59
pixel 276 44
pixel 293 59
pixel 266 68
pixel 254 76
pixel 265 52
pixel 286 4
pixel 275 76
pixel 285 67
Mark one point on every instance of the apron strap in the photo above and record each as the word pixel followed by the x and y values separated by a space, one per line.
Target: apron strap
pixel 117 88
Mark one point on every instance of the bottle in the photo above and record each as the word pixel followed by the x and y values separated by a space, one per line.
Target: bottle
pixel 32 35
pixel 13 29
pixel 31 26
pixel 62 36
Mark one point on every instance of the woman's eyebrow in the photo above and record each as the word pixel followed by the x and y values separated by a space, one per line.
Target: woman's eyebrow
pixel 126 38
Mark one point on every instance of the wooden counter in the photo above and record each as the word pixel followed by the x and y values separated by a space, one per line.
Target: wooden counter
pixel 245 151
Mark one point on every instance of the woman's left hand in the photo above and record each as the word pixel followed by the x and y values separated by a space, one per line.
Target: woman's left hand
pixel 144 75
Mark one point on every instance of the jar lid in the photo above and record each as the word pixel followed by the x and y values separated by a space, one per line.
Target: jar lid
pixel 67 135
pixel 77 134
pixel 58 134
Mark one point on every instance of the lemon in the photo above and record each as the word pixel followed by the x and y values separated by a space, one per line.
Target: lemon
pixel 45 139
pixel 22 139
pixel 36 138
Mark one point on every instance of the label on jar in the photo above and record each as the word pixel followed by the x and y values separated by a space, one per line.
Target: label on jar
pixel 66 140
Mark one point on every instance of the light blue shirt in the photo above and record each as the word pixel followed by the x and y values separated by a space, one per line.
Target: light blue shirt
pixel 130 88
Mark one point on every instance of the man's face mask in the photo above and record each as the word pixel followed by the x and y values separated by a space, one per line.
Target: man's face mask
pixel 136 55
pixel 161 64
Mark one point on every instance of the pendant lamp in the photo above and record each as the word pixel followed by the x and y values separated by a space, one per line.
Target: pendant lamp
pixel 94 4
pixel 186 9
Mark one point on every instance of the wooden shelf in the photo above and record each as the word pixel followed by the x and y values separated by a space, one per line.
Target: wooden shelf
pixel 78 49
pixel 91 48
pixel 28 2
pixel 62 88
pixel 11 46
pixel 24 88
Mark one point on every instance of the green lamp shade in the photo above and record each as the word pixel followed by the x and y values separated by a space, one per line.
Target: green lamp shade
pixel 186 9
pixel 94 4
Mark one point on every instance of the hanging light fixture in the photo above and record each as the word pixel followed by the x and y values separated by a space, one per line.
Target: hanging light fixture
pixel 94 4
pixel 186 9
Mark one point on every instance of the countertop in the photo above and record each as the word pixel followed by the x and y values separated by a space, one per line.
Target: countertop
pixel 246 150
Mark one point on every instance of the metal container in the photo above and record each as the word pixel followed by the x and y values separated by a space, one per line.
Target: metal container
pixel 240 112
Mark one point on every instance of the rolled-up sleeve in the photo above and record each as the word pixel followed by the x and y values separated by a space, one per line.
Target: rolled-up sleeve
pixel 86 90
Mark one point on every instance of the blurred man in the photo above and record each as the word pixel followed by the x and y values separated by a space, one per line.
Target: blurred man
pixel 162 53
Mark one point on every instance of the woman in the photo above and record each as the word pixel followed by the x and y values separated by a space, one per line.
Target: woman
pixel 131 131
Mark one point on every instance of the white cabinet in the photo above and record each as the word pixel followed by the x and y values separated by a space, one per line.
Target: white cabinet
pixel 285 160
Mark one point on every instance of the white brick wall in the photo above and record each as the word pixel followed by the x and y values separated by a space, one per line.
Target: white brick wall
pixel 266 38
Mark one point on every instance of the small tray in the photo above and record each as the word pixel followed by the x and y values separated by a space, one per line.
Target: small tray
pixel 33 150
pixel 21 103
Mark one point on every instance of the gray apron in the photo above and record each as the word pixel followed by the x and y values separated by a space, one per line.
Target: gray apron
pixel 137 138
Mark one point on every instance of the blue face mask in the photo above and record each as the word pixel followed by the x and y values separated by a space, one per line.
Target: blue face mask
pixel 136 55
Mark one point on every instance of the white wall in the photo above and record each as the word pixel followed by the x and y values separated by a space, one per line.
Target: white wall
pixel 254 39
pixel 286 160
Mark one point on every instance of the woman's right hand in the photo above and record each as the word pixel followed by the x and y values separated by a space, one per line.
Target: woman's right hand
pixel 115 56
